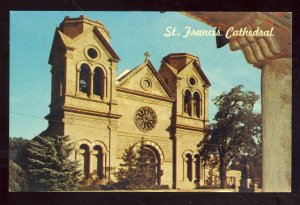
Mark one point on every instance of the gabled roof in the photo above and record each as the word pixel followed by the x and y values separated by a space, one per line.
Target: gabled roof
pixel 178 62
pixel 128 75
pixel 174 70
pixel 61 42
pixel 200 71
pixel 106 44
pixel 120 79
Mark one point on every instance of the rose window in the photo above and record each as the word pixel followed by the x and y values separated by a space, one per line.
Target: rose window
pixel 145 118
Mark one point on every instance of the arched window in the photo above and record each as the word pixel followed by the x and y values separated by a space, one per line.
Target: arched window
pixel 98 82
pixel 189 164
pixel 84 79
pixel 187 102
pixel 86 159
pixel 99 160
pixel 196 104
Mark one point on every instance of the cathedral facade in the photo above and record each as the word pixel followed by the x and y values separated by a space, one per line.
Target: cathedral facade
pixel 104 114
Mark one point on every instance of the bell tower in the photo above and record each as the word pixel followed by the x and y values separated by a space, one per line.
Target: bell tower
pixel 83 68
pixel 183 74
pixel 83 95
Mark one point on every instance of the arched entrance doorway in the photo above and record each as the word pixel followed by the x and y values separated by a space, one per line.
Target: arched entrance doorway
pixel 155 158
pixel 154 162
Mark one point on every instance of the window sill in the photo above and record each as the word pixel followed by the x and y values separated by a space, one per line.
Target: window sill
pixel 195 117
pixel 95 98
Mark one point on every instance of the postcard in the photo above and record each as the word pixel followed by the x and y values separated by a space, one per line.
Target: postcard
pixel 150 101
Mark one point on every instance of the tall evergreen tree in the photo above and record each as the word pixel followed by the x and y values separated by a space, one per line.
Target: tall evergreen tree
pixel 138 169
pixel 145 177
pixel 48 164
pixel 127 171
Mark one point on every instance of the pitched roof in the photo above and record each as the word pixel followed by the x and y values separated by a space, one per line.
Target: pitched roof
pixel 128 75
pixel 106 44
pixel 61 41
pixel 181 61
pixel 197 65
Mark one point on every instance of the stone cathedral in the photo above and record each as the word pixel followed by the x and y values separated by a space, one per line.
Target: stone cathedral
pixel 104 114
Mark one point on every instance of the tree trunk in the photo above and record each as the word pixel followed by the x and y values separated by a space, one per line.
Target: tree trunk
pixel 245 175
pixel 222 170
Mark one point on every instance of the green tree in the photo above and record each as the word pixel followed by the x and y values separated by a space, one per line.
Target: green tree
pixel 17 179
pixel 145 177
pixel 231 136
pixel 48 165
pixel 17 148
pixel 127 171
pixel 256 167
pixel 16 142
pixel 211 163
pixel 248 149
pixel 137 170
pixel 256 158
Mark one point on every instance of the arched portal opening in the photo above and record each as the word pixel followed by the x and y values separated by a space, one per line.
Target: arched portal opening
pixel 187 102
pixel 99 161
pixel 84 78
pixel 154 162
pixel 197 167
pixel 189 167
pixel 98 82
pixel 86 159
pixel 196 104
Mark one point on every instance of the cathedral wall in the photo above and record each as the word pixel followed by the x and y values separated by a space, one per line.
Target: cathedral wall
pixel 80 126
pixel 187 141
pixel 71 75
pixel 89 130
pixel 85 103
pixel 189 121
pixel 129 134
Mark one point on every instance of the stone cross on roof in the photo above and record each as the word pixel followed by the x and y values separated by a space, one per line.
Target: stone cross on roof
pixel 147 54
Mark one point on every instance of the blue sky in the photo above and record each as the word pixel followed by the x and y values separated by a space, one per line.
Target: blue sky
pixel 132 33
